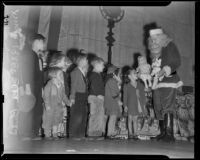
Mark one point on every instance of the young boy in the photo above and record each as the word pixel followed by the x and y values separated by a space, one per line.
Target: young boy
pixel 55 100
pixel 96 99
pixel 58 59
pixel 78 97
pixel 112 103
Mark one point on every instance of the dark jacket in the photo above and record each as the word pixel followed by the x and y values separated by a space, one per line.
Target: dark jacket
pixel 78 83
pixel 130 98
pixel 96 84
pixel 170 57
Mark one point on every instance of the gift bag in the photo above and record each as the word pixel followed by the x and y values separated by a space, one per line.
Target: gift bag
pixel 26 99
pixel 122 128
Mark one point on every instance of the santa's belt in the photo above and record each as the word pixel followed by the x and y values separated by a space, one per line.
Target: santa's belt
pixel 173 73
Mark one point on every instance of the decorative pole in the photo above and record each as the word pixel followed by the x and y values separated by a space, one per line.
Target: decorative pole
pixel 113 15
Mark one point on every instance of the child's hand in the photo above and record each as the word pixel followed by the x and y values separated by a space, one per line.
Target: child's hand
pixel 63 103
pixel 68 103
pixel 125 109
pixel 120 103
pixel 72 101
pixel 48 108
pixel 64 111
pixel 100 97
pixel 42 92
pixel 161 73
pixel 120 108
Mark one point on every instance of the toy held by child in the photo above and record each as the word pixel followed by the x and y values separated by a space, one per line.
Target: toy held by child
pixel 155 70
pixel 144 71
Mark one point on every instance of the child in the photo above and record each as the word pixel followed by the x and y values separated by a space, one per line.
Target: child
pixel 55 100
pixel 133 100
pixel 144 71
pixel 78 97
pixel 68 63
pixel 54 59
pixel 96 99
pixel 112 103
pixel 58 59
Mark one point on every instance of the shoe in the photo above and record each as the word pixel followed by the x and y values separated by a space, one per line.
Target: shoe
pixel 100 138
pixel 114 137
pixel 26 138
pixel 61 136
pixel 103 134
pixel 90 138
pixel 48 138
pixel 77 139
pixel 169 136
pixel 130 137
pixel 55 138
pixel 36 138
pixel 162 131
pixel 134 137
pixel 109 137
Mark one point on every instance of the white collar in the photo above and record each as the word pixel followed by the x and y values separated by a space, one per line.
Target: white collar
pixel 81 71
pixel 134 84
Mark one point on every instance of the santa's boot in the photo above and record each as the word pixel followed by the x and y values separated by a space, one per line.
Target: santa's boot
pixel 169 136
pixel 162 131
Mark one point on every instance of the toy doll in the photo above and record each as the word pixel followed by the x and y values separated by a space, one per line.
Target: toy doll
pixel 144 71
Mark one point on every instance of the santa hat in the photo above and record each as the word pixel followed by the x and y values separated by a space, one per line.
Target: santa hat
pixel 153 32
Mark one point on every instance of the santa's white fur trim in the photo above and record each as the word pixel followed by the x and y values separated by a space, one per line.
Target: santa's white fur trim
pixel 169 85
pixel 167 70
pixel 155 31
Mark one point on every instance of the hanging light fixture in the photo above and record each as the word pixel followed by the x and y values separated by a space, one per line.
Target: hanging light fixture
pixel 112 14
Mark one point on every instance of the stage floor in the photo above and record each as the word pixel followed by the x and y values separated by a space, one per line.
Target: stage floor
pixel 178 149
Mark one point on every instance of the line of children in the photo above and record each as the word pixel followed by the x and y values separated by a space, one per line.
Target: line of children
pixel 104 99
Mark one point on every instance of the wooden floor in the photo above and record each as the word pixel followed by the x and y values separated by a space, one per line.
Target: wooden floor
pixel 179 149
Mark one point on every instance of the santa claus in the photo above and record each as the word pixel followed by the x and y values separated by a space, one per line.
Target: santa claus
pixel 164 93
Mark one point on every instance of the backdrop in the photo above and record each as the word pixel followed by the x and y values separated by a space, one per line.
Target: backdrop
pixel 83 27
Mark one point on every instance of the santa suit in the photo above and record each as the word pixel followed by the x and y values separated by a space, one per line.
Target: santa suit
pixel 164 96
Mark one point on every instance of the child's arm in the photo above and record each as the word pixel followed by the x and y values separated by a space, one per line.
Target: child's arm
pixel 115 92
pixel 125 97
pixel 66 99
pixel 46 96
pixel 54 101
pixel 138 69
pixel 74 81
pixel 149 68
